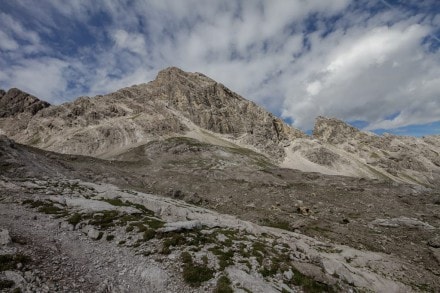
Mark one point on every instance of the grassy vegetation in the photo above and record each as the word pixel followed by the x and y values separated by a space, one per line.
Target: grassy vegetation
pixel 46 207
pixel 259 251
pixel 308 284
pixel 225 256
pixel 223 285
pixel 9 261
pixel 74 219
pixel 118 202
pixel 173 239
pixel 193 273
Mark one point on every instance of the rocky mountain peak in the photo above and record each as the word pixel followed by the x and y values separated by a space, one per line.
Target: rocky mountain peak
pixel 16 101
pixel 174 77
pixel 333 130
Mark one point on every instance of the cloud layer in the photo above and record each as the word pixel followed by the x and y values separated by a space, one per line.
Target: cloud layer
pixel 375 62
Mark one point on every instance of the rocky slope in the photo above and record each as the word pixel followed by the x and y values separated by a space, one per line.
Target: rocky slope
pixel 60 234
pixel 409 159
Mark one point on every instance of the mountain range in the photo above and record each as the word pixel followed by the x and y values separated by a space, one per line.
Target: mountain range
pixel 182 104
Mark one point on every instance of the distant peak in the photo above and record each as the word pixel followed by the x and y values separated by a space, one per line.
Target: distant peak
pixel 16 101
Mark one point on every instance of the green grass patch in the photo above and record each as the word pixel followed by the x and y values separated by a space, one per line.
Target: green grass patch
pixel 148 234
pixel 172 239
pixel 195 274
pixel 74 219
pixel 225 258
pixel 46 207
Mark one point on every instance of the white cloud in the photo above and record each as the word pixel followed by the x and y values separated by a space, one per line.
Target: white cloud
pixel 17 30
pixel 133 42
pixel 41 77
pixel 7 43
pixel 367 73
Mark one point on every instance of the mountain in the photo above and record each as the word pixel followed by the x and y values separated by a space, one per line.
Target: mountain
pixel 181 185
pixel 176 103
pixel 16 101
pixel 182 104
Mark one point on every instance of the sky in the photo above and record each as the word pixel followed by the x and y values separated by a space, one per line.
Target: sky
pixel 374 64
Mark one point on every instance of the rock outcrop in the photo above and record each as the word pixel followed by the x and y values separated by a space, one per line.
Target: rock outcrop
pixel 15 101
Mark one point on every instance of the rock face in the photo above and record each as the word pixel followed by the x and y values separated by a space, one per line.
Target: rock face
pixel 15 101
pixel 408 159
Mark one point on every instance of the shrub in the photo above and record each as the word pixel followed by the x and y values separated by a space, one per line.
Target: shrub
pixel 223 285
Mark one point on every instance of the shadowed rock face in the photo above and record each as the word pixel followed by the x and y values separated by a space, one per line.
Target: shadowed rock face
pixel 16 101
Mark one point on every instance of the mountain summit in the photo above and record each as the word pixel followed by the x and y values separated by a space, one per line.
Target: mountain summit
pixel 192 105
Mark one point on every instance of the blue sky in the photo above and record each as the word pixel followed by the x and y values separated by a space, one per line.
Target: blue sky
pixel 373 63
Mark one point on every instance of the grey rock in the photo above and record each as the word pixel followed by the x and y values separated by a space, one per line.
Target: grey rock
pixel 5 239
pixel 402 222
pixel 434 241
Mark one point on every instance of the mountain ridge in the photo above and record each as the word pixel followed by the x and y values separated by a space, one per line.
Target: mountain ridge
pixel 179 103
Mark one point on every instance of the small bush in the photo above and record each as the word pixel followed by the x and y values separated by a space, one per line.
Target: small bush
pixel 149 234
pixel 9 261
pixel 110 237
pixel 45 207
pixel 105 219
pixel 174 239
pixel 195 274
pixel 74 219
pixel 223 285
pixel 186 257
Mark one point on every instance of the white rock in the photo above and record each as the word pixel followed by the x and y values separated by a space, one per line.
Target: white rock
pixel 402 222
pixel 181 225
pixel 288 274
pixel 14 276
pixel 93 233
